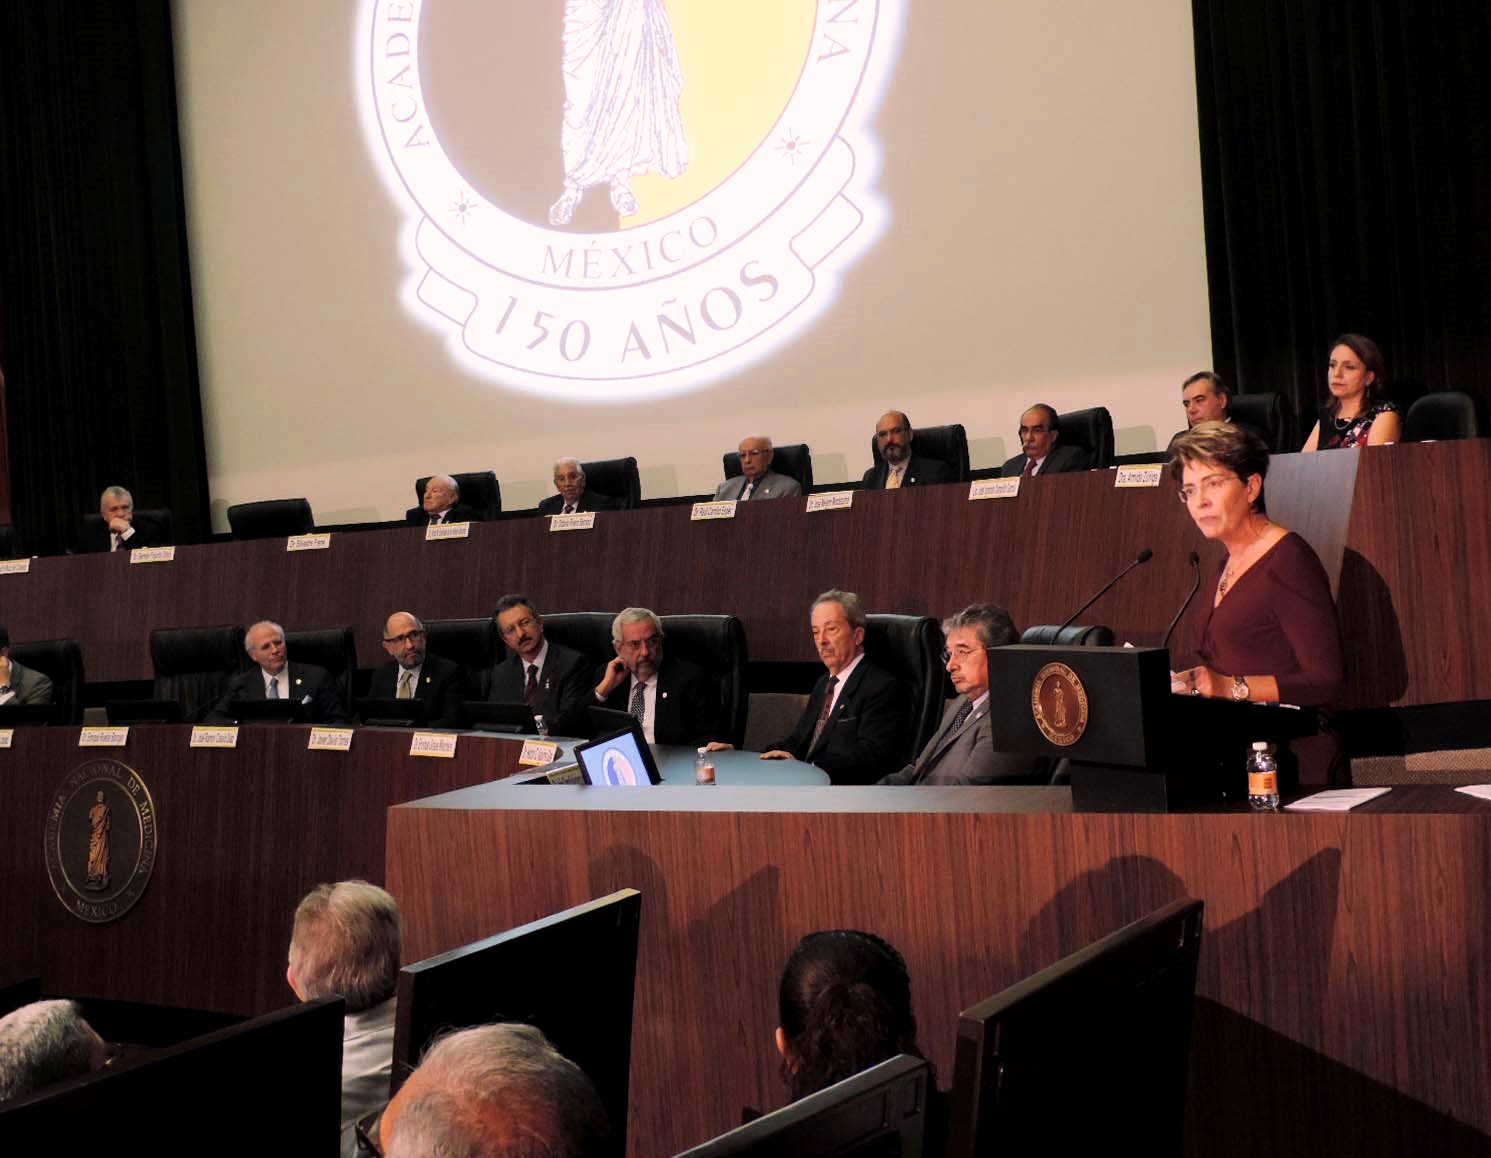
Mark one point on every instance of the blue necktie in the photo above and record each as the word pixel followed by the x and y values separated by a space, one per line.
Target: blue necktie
pixel 274 687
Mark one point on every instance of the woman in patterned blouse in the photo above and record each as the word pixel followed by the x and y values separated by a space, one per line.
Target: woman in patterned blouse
pixel 1358 413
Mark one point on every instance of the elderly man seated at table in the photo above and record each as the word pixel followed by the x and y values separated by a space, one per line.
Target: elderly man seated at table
pixel 756 479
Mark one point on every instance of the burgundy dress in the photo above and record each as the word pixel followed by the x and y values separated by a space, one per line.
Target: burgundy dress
pixel 1278 619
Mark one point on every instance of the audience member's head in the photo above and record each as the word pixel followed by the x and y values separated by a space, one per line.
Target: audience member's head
pixel 755 456
pixel 893 435
pixel 1205 398
pixel 569 480
pixel 520 625
pixel 441 493
pixel 838 622
pixel 637 635
pixel 1039 431
pixel 43 1043
pixel 345 943
pixel 116 505
pixel 265 643
pixel 844 1005
pixel 496 1091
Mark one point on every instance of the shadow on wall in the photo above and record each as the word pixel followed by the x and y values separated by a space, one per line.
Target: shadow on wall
pixel 1371 636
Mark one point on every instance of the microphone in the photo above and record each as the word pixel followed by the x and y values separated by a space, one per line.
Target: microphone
pixel 1195 561
pixel 1144 556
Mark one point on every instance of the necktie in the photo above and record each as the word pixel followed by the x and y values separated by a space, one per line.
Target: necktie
pixel 828 703
pixel 118 542
pixel 437 519
pixel 530 690
pixel 638 706
pixel 1029 468
pixel 274 688
pixel 963 713
pixel 893 479
pixel 406 677
pixel 569 508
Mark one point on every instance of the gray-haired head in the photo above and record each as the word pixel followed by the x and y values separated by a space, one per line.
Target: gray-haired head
pixel 496 1090
pixel 43 1043
pixel 345 942
pixel 853 610
pixel 114 495
pixel 633 615
pixel 248 636
pixel 990 622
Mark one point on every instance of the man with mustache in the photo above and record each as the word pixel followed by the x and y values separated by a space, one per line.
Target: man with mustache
pixel 550 678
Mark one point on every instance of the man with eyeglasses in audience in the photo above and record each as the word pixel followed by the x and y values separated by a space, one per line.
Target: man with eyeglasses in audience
pixel 674 700
pixel 898 467
pixel 961 751
pixel 756 479
pixel 413 674
pixel 1040 431
pixel 553 680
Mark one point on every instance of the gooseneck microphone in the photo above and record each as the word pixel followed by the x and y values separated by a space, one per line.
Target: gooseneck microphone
pixel 1195 562
pixel 1144 556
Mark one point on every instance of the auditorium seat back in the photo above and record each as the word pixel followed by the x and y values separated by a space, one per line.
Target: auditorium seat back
pixel 7 541
pixel 794 460
pixel 1072 635
pixel 194 664
pixel 947 444
pixel 616 478
pixel 472 643
pixel 271 519
pixel 333 648
pixel 908 647
pixel 1092 430
pixel 588 632
pixel 716 643
pixel 480 491
pixel 1441 416
pixel 1267 414
pixel 61 661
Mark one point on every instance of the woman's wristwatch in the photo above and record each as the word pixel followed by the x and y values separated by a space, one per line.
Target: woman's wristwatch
pixel 1240 690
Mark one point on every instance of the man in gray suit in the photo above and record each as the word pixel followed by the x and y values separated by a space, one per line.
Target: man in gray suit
pixel 20 685
pixel 757 480
pixel 961 751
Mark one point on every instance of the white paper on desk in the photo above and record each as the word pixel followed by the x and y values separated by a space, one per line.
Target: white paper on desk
pixel 1479 791
pixel 1337 800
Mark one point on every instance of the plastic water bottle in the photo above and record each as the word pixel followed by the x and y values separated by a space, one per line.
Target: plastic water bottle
pixel 542 728
pixel 704 767
pixel 1263 778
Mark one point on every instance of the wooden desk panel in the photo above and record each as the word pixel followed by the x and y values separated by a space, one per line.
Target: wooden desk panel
pixel 1339 1011
pixel 243 835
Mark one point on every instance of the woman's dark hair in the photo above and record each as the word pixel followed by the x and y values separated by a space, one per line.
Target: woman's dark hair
pixel 1233 448
pixel 844 1005
pixel 1365 349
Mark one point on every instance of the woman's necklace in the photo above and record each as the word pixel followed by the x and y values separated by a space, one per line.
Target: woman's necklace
pixel 1226 580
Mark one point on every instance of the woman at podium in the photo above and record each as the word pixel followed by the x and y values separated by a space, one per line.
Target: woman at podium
pixel 1272 634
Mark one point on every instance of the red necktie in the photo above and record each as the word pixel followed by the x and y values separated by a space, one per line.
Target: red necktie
pixel 1029 468
pixel 828 703
pixel 530 692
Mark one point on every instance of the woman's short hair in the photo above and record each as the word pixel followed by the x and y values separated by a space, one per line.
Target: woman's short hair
pixel 346 943
pixel 1233 448
pixel 1365 349
pixel 844 1005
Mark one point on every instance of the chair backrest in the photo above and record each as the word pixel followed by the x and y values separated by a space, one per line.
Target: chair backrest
pixel 1267 414
pixel 616 478
pixel 61 661
pixel 194 664
pixel 1443 415
pixel 271 519
pixel 948 444
pixel 588 632
pixel 333 648
pixel 7 541
pixel 909 647
pixel 472 643
pixel 480 491
pixel 716 643
pixel 794 460
pixel 1092 430
pixel 1073 635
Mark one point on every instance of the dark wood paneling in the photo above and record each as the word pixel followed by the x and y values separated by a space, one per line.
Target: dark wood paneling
pixel 243 834
pixel 1348 937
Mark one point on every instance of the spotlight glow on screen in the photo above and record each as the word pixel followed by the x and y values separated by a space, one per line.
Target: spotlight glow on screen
pixel 670 191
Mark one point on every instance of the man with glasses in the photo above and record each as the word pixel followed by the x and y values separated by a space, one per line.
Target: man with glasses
pixel 674 700
pixel 961 751
pixel 1040 432
pixel 757 480
pixel 898 467
pixel 553 680
pixel 412 674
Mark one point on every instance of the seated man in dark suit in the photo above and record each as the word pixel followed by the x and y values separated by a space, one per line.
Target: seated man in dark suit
pixel 441 504
pixel 20 685
pixel 1039 434
pixel 120 530
pixel 1207 398
pixel 854 725
pixel 274 678
pixel 961 751
pixel 553 680
pixel 414 675
pixel 676 701
pixel 573 498
pixel 898 467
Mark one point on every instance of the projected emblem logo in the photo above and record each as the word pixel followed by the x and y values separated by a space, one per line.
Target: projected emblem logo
pixel 621 198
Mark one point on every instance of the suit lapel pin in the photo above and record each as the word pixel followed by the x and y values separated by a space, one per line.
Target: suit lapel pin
pixel 427 679
pixel 297 681
pixel 663 694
